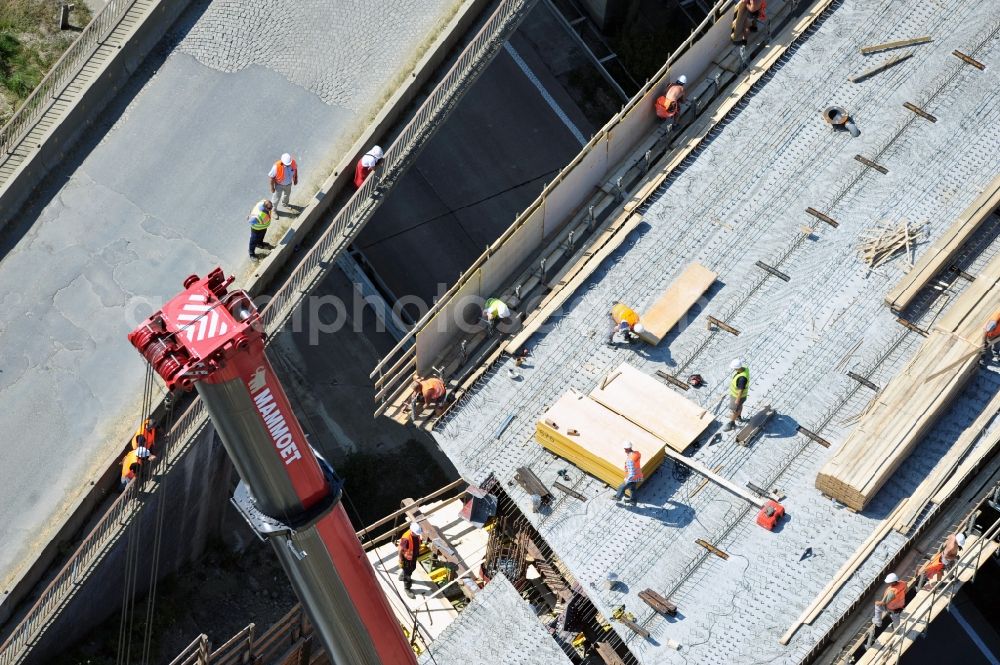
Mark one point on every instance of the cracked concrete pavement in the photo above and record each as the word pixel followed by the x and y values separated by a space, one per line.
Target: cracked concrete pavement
pixel 163 194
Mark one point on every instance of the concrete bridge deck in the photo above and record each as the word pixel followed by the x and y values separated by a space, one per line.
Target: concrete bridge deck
pixel 157 190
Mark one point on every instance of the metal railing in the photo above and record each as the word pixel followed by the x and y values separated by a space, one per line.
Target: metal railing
pixel 62 74
pixel 346 224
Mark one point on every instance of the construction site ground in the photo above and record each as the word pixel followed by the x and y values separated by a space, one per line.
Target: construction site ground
pixel 739 200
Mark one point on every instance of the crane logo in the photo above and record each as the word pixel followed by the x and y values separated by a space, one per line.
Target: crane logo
pixel 201 319
pixel 257 381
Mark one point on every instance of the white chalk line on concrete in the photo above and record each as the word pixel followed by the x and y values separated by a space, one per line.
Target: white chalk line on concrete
pixel 553 104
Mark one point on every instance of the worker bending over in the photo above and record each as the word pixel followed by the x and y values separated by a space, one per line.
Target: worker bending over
pixel 133 462
pixel 668 105
pixel 427 393
pixel 991 335
pixel 409 551
pixel 283 174
pixel 366 165
pixel 739 388
pixel 626 324
pixel 495 312
pixel 633 474
pixel 754 11
pixel 942 560
pixel 259 219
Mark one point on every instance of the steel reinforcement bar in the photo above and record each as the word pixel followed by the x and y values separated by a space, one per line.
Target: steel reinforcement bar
pixel 346 224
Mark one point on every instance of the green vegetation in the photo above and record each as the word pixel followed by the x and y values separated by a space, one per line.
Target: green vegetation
pixel 30 43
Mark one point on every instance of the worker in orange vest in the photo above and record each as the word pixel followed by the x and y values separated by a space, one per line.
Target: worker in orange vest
pixel 366 165
pixel 626 324
pixel 756 11
pixel 283 175
pixel 409 551
pixel 668 105
pixel 145 435
pixel 633 474
pixel 942 560
pixel 991 335
pixel 430 392
pixel 892 601
pixel 133 462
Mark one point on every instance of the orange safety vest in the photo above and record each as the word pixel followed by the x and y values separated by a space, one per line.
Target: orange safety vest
pixel 127 462
pixel 935 566
pixel 633 467
pixel 146 431
pixel 758 6
pixel 279 171
pixel 409 546
pixel 898 598
pixel 624 313
pixel 992 327
pixel 432 389
pixel 668 104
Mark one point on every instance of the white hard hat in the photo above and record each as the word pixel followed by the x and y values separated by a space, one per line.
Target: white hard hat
pixel 286 159
pixel 628 445
pixel 960 539
pixel 639 328
pixel 891 578
pixel 682 79
pixel 142 452
pixel 737 364
pixel 502 310
pixel 416 529
pixel 376 152
pixel 368 161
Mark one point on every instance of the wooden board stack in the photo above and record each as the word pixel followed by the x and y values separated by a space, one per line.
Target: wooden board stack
pixel 591 436
pixel 679 297
pixel 914 398
pixel 653 406
pixel 883 243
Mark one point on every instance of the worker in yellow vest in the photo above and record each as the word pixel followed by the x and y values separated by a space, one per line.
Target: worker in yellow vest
pixel 259 219
pixel 283 174
pixel 495 311
pixel 430 392
pixel 739 388
pixel 626 324
pixel 991 335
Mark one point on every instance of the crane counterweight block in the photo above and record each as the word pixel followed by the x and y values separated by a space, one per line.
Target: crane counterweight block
pixel 211 340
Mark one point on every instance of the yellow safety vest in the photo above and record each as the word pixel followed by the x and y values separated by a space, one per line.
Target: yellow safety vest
pixel 259 218
pixel 735 392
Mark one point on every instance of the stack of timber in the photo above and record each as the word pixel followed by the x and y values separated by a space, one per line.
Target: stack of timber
pixel 643 400
pixel 884 242
pixel 913 399
pixel 591 436
pixel 679 297
pixel 943 251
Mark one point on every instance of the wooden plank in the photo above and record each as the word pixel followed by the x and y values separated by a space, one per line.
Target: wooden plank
pixel 823 217
pixel 712 548
pixel 902 43
pixel 910 106
pixel 608 654
pixel 658 602
pixel 754 425
pixel 714 477
pixel 675 302
pixel 849 567
pixel 968 60
pixel 662 412
pixel 892 62
pixel 541 315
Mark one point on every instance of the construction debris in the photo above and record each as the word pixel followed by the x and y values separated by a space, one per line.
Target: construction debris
pixel 882 243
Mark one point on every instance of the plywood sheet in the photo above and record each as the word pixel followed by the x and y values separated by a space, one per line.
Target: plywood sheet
pixel 665 413
pixel 675 302
pixel 596 447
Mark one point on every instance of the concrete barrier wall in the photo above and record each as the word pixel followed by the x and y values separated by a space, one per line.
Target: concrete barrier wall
pixel 99 93
pixel 196 492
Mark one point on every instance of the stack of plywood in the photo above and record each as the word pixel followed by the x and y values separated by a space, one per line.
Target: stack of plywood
pixel 650 404
pixel 679 297
pixel 591 436
pixel 910 403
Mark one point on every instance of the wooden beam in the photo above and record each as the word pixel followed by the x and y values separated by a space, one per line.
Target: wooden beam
pixel 892 62
pixel 402 511
pixel 969 60
pixel 919 111
pixel 902 43
pixel 823 217
pixel 712 548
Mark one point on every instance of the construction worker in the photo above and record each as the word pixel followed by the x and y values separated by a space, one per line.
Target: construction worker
pixel 145 435
pixel 495 311
pixel 409 551
pixel 754 11
pixel 892 601
pixel 430 392
pixel 633 474
pixel 366 165
pixel 133 462
pixel 991 335
pixel 739 388
pixel 283 175
pixel 626 324
pixel 259 219
pixel 668 105
pixel 942 560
